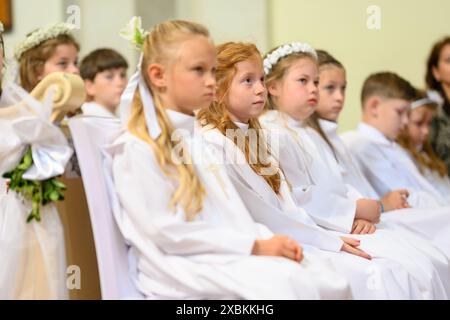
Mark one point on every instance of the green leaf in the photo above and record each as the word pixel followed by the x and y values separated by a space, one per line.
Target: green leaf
pixel 40 193
pixel 27 161
pixel 54 196
pixel 58 184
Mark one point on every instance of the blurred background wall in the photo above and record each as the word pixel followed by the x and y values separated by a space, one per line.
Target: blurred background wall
pixel 394 35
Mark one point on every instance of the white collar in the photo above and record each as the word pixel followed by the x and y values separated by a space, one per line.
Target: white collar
pixel 96 110
pixel 329 127
pixel 375 134
pixel 278 116
pixel 292 122
pixel 181 120
pixel 241 125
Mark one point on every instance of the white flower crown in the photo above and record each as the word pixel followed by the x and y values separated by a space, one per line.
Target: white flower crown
pixel 284 51
pixel 41 35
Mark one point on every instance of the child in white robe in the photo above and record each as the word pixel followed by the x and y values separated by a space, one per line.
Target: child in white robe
pixel 291 87
pixel 341 169
pixel 104 72
pixel 414 139
pixel 230 125
pixel 386 100
pixel 186 225
pixel 37 268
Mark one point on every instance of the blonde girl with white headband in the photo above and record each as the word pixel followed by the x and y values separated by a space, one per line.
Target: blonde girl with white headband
pixel 189 231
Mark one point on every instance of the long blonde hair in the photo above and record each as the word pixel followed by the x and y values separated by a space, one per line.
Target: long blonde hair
pixel 230 54
pixel 158 48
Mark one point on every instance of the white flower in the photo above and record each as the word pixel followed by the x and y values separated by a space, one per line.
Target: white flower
pixel 286 50
pixel 272 58
pixel 41 35
pixel 134 33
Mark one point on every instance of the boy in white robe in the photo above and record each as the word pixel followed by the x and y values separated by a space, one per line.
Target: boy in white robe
pixel 104 72
pixel 386 100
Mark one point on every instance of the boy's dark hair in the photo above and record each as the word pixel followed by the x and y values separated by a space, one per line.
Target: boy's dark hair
pixel 100 60
pixel 387 85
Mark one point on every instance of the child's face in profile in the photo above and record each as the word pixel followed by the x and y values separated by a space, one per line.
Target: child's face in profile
pixel 297 93
pixel 391 116
pixel 107 87
pixel 247 92
pixel 65 59
pixel 332 86
pixel 419 124
pixel 189 81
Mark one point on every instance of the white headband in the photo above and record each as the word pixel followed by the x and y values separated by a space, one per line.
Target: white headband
pixel 435 97
pixel 284 51
pixel 135 34
pixel 422 102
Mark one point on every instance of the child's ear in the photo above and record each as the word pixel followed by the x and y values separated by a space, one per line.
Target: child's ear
pixel 371 106
pixel 157 75
pixel 90 87
pixel 273 90
pixel 436 74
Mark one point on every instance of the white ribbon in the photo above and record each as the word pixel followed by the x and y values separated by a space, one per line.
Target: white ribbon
pixel 50 150
pixel 422 102
pixel 126 101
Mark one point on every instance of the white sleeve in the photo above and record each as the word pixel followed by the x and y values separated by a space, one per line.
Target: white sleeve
pixel 328 209
pixel 11 148
pixel 377 170
pixel 144 194
pixel 292 223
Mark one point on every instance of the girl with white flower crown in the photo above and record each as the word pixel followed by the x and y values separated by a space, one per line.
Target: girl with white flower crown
pixel 47 50
pixel 186 224
pixel 33 151
pixel 292 79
